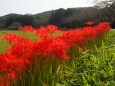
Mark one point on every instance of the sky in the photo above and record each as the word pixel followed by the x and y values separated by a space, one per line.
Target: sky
pixel 38 6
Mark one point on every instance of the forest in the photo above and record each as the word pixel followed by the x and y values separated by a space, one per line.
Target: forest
pixel 64 18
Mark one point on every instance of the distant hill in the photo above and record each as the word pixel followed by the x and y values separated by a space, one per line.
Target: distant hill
pixel 66 18
pixel 10 15
pixel 43 14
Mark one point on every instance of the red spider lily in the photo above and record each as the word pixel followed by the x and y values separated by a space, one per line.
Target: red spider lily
pixel 43 33
pixel 89 33
pixel 102 27
pixel 74 37
pixel 26 28
pixel 23 50
pixel 9 66
pixel 46 33
pixel 41 48
pixel 10 63
pixel 58 48
pixel 89 23
pixel 51 28
pixel 11 37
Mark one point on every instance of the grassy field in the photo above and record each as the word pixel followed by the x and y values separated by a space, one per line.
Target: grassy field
pixel 91 68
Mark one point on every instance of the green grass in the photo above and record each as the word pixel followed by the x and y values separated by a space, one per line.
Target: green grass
pixel 20 33
pixel 95 67
pixel 3 46
pixel 91 68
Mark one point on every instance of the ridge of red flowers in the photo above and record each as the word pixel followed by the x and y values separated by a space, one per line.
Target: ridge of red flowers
pixel 23 51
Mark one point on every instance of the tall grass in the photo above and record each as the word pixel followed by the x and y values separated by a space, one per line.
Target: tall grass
pixel 91 68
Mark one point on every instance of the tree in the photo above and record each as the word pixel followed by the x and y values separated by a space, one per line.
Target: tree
pixel 23 19
pixel 56 18
pixel 107 10
pixel 14 26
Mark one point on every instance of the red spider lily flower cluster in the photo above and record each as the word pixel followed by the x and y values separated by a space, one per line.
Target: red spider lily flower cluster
pixel 46 32
pixel 26 28
pixel 11 37
pixel 23 51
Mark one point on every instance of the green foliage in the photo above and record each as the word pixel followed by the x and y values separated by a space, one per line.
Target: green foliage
pixel 91 68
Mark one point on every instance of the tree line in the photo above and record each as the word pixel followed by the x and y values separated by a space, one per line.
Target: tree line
pixel 103 11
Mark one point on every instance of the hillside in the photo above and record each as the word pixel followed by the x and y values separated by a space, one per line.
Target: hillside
pixel 66 18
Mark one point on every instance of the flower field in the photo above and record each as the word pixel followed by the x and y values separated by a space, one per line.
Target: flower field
pixel 50 57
